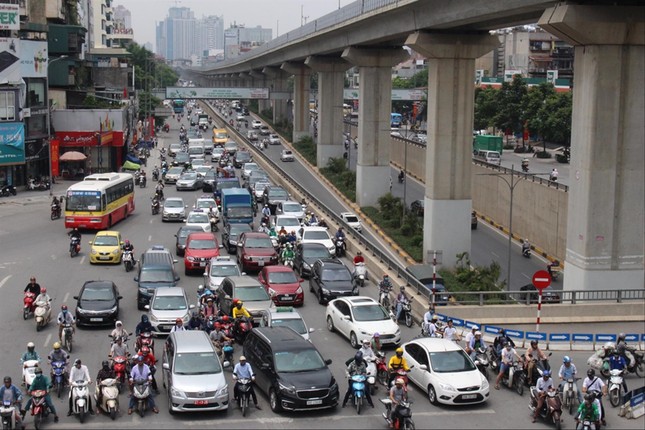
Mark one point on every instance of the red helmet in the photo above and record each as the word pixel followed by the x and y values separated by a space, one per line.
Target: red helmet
pixel 235 301
pixel 179 320
pixel 43 290
pixel 225 318
pixel 64 307
pixel 217 325
pixel 145 350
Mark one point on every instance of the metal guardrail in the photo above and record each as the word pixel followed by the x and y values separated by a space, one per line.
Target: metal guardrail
pixel 572 297
pixel 527 176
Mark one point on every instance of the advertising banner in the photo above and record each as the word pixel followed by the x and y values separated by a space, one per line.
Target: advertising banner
pixel 54 146
pixel 397 94
pixel 70 139
pixel 33 59
pixel 10 60
pixel 12 143
pixel 9 16
pixel 216 93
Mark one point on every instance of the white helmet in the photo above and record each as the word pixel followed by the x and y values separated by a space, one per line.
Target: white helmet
pixel 478 333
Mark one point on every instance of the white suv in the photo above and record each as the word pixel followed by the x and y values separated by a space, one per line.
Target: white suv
pixel 316 235
pixel 167 304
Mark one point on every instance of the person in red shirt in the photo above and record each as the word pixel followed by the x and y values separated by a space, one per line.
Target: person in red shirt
pixel 150 360
pixel 359 258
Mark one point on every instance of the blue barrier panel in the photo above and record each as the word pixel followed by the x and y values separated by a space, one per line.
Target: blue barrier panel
pixel 491 329
pixel 580 337
pixel 605 338
pixel 470 324
pixel 442 317
pixel 634 397
pixel 559 337
pixel 519 334
pixel 457 322
pixel 533 335
pixel 631 337
pixel 643 337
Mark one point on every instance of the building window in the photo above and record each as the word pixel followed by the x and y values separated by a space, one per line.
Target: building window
pixel 7 106
pixel 36 93
pixel 36 126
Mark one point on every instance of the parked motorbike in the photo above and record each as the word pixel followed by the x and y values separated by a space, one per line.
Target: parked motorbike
pixel 28 306
pixel 515 377
pixel 128 260
pixel 29 371
pixel 340 247
pixel 56 212
pixel 80 399
pixel 360 274
pixel 141 392
pixel 402 414
pixel 42 316
pixel 615 389
pixel 8 415
pixel 244 394
pixel 67 337
pixel 8 190
pixel 552 409
pixel 481 361
pixel 120 367
pixel 570 394
pixel 39 408
pixel 33 185
pixel 58 376
pixel 74 246
pixel 110 401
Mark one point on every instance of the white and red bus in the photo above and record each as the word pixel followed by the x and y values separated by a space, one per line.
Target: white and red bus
pixel 99 201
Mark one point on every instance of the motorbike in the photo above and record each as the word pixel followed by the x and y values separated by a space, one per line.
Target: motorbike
pixel 360 274
pixel 241 328
pixel 539 367
pixel 141 392
pixel 142 181
pixel 481 361
pixel 80 399
pixel 110 401
pixel 288 262
pixel 74 246
pixel 155 175
pixel 155 206
pixel 526 251
pixel 570 394
pixel 39 408
pixel 33 185
pixel 586 425
pixel 28 306
pixel 29 371
pixel 525 165
pixel 372 374
pixel 358 391
pixel 402 416
pixel 615 389
pixel 402 374
pixel 145 339
pixel 120 367
pixel 56 212
pixel 67 336
pixel 159 195
pixel 58 376
pixel 8 415
pixel 227 352
pixel 42 316
pixel 128 260
pixel 401 177
pixel 244 393
pixel 381 368
pixel 384 299
pixel 8 190
pixel 515 377
pixel 406 312
pixel 213 220
pixel 166 128
pixel 493 358
pixel 340 247
pixel 552 409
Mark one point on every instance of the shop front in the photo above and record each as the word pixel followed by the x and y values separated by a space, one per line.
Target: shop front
pixel 103 152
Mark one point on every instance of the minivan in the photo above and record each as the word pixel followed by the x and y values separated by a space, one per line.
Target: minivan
pixel 491 157
pixel 290 370
pixel 193 374
pixel 156 269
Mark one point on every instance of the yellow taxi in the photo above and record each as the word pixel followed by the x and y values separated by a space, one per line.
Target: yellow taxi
pixel 220 136
pixel 106 247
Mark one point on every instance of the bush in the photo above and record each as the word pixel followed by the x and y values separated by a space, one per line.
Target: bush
pixel 342 178
pixel 307 148
pixel 543 154
pixel 411 243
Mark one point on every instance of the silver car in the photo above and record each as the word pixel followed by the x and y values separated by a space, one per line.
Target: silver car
pixel 189 181
pixel 218 269
pixel 166 305
pixel 174 209
pixel 173 174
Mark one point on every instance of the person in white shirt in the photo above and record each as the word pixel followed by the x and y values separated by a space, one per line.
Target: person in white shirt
pixel 507 356
pixel 179 326
pixel 430 326
pixel 594 383
pixel 471 334
pixel 450 332
pixel 79 372
pixel 543 386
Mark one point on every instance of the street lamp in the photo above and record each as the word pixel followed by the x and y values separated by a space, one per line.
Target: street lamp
pixel 49 123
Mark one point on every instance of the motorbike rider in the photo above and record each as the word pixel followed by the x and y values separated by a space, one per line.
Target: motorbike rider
pixel 209 309
pixel 127 246
pixel 179 326
pixel 430 326
pixel 526 246
pixel 11 393
pixel 450 332
pixel 55 203
pixel 398 394
pixel 42 299
pixel 376 342
pixel 263 228
pixel 624 350
pixel 106 372
pixel 239 310
pixel 358 258
pixel 150 360
pixel 476 343
pixel 287 253
pixel 401 175
pixel 401 299
pixel 593 383
pixel 568 371
pixel 140 372
pixel 534 352
pixel 397 362
pixel 551 266
pixel 554 175
pixel 195 322
pixel 144 326
pixel 74 233
pixel 64 317
pixel 266 211
pixel 313 220
pixel 79 372
pixel 291 237
pixel 58 354
pixel 588 411
pixel 218 337
pixel 358 366
pixel 543 386
pixel 272 232
pixel 471 334
pixel 30 354
pixel 119 348
pixel 501 340
pixel 340 234
pixel 40 382
pixel 33 287
pixel 367 351
pixel 243 370
pixel 119 331
pixel 618 362
pixel 385 286
pixel 159 189
pixel 507 357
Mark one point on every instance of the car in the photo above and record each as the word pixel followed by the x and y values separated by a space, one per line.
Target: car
pixel 205 202
pixel 247 168
pixel 156 269
pixel 217 153
pixel 264 130
pixel 287 155
pixel 306 255
pixel 189 181
pixel 209 179
pixel 257 187
pixel 166 305
pixel 282 285
pixel 352 220
pixel 285 316
pixel 182 159
pixel 252 135
pixel 203 169
pixel 256 124
pixel 219 268
pixel 417 207
pixel 97 303
pixel 199 218
pixel 255 299
pixel 254 251
pixel 425 273
pixel 173 149
pixel 231 147
pixel 230 235
pixel 358 318
pixel 549 295
pixel 198 163
pixel 240 117
pixel 331 279
pixel 241 157
pixel 274 139
pixel 174 209
pixel 200 248
pixel 290 223
pixel 220 136
pixel 106 247
pixel 274 194
pixel 445 372
pixel 291 208
pixel 181 235
pixel 173 174
pixel 316 235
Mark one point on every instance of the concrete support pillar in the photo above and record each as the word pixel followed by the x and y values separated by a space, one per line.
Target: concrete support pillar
pixel 278 79
pixel 605 238
pixel 331 81
pixel 451 92
pixel 260 81
pixel 374 108
pixel 301 84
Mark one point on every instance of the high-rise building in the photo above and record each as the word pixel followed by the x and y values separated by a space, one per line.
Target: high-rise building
pixel 210 33
pixel 176 35
pixel 239 39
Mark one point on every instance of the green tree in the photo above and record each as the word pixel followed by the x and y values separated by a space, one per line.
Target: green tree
pixel 533 107
pixel 557 118
pixel 510 115
pixel 485 107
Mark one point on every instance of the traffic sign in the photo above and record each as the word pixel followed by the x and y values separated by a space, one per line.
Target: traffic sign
pixel 559 337
pixel 541 279
pixel 532 335
pixel 582 337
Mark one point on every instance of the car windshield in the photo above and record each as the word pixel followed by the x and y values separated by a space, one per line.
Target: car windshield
pixel 317 252
pixel 451 361
pixel 169 303
pixel 258 242
pixel 198 162
pixel 251 294
pixel 182 156
pixel 229 146
pixel 175 147
pixel 221 135
pixel 196 150
pixel 287 222
pixel 173 204
pixel 209 175
pixel 222 270
pixel 298 360
pixel 240 212
pixel 241 156
pixel 351 219
pixel 175 171
pixel 341 274
pixel 205 204
pixel 296 324
pixel 193 363
pixel 292 207
pixel 278 194
pixel 315 235
pixel 184 232
pixel 156 275
pixel 97 294
pixel 250 166
pixel 373 312
pixel 198 219
pixel 282 277
pixel 202 244
pixel 218 151
pixel 189 176
pixel 106 241
pixel 236 230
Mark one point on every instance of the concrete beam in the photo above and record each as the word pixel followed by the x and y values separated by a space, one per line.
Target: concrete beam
pixel 260 80
pixel 301 90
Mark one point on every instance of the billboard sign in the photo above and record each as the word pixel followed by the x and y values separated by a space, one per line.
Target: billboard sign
pixel 9 16
pixel 33 58
pixel 10 60
pixel 397 94
pixel 216 93
pixel 12 143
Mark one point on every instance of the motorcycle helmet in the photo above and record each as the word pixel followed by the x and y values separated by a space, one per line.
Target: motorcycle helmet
pixel 502 331
pixel 178 320
pixel 105 365
pixel 118 339
pixel 609 345
pixel 239 304
pixel 591 373
pixel 478 333
pixel 43 290
pixel 385 276
pixel 435 318
pixel 139 359
pixel 288 246
pixel 546 373
pixel 225 318
pixel 242 358
pixel 145 350
pixel 366 342
pixel 399 381
pixel 56 345
pixel 359 253
pixel 566 359
pixel 534 343
pixel 200 288
pixel 118 324
pixel 38 371
pixel 621 336
pixel 31 346
pixel 127 243
pixel 358 358
pixel 217 326
pixel 63 308
pixel 377 335
pixel 7 379
pixel 475 327
pixel 590 397
pixel 399 352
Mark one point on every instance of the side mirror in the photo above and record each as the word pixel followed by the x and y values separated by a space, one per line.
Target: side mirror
pixel 175 261
pixel 119 297
pixel 136 279
pixel 191 307
pixel 423 367
pixel 121 243
pixel 90 242
pixel 328 361
pixel 165 366
pixel 301 280
pixel 147 307
pixel 75 297
pixel 311 329
pixel 225 364
pixel 347 318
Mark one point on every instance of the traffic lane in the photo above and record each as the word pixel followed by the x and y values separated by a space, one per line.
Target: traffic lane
pixel 541 167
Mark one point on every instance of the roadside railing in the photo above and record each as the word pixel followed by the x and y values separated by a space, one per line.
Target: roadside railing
pixel 481 298
pixel 527 176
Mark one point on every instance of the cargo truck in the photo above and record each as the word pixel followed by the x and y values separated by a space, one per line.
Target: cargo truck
pixel 237 206
pixel 484 142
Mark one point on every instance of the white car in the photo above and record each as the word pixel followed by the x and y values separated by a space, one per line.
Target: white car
pixel 287 155
pixel 201 170
pixel 199 217
pixel 291 208
pixel 445 372
pixel 205 203
pixel 352 220
pixel 285 316
pixel 197 163
pixel 288 222
pixel 274 139
pixel 247 168
pixel 256 124
pixel 359 317
pixel 217 153
pixel 258 189
pixel 174 209
pixel 166 305
pixel 218 269
pixel 316 235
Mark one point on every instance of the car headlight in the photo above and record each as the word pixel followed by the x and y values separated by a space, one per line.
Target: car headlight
pixel 191 259
pixel 306 265
pixel 325 291
pixel 299 290
pixel 153 318
pixel 332 249
pixel 447 387
pixel 81 311
pixel 186 318
pixel 272 292
pixel 164 213
pixel 177 393
pixel 289 389
pixel 246 257
pixel 116 251
pixel 222 392
pixel 94 251
pixel 143 290
pixel 113 309
pixel 232 241
pixel 485 385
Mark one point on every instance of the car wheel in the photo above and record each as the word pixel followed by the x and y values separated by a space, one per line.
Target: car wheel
pixel 330 324
pixel 353 340
pixel 432 395
pixel 311 288
pixel 170 411
pixel 274 401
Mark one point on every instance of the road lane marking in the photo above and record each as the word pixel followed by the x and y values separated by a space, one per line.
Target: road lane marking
pixel 494 255
pixel 53 256
pixel 151 219
pixel 527 276
pixel 49 337
pixel 150 238
pixel 66 297
pixel 4 281
pixel 82 260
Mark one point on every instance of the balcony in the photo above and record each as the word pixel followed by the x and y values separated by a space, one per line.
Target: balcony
pixel 65 39
pixel 62 73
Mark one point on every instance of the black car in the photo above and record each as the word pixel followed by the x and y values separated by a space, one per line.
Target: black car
pixel 231 233
pixel 240 158
pixel 181 159
pixel 97 303
pixel 330 279
pixel 210 178
pixel 425 274
pixel 182 235
pixel 417 207
pixel 549 295
pixel 306 255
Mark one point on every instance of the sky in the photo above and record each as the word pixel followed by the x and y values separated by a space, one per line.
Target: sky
pixel 279 15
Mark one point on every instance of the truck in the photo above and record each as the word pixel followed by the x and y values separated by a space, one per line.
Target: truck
pixel 485 142
pixel 202 121
pixel 237 206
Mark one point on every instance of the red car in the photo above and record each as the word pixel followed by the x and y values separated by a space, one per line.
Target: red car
pixel 282 285
pixel 200 248
pixel 254 251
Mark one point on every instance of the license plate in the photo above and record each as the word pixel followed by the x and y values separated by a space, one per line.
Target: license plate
pixel 261 263
pixel 201 402
pixel 96 319
pixel 469 396
pixel 287 297
pixel 104 258
pixel 202 264
pixel 314 402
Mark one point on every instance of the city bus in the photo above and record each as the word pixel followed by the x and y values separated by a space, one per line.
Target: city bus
pixel 178 105
pixel 396 119
pixel 99 201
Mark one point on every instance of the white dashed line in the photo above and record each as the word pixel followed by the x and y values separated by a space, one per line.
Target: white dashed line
pixel 6 278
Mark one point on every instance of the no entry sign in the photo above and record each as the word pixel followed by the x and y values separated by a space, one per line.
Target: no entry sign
pixel 541 279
